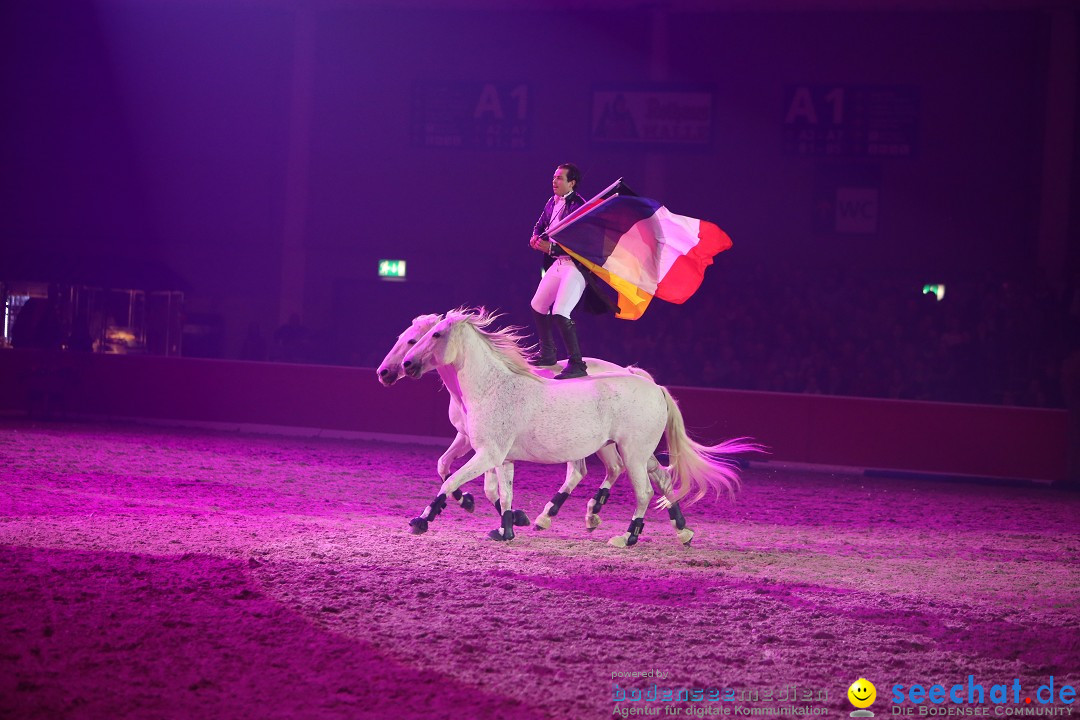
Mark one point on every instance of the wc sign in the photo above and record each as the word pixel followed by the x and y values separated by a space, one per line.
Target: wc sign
pixel 847 199
pixel 856 210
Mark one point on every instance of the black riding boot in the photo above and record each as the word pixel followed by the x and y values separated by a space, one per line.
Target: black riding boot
pixel 547 340
pixel 575 367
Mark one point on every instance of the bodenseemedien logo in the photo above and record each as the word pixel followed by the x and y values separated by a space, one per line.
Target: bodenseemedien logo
pixel 862 695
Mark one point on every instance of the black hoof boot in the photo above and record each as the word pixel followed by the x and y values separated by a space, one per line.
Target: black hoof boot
pixel 636 526
pixel 419 525
pixel 556 503
pixel 685 534
pixel 437 506
pixel 506 532
pixel 521 519
pixel 598 500
pixel 465 500
pixel 677 520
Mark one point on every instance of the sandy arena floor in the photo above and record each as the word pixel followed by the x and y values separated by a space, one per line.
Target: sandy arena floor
pixel 167 573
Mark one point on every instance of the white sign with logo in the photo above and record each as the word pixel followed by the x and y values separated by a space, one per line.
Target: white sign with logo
pixel 652 117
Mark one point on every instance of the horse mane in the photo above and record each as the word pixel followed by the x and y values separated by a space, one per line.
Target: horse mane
pixel 507 343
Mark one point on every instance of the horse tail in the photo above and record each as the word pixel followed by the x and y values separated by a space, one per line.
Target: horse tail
pixel 699 468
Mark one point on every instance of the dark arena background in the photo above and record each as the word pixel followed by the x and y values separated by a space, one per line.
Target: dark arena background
pixel 218 215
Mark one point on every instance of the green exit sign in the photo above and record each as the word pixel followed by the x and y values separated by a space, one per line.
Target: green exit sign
pixel 392 269
pixel 937 289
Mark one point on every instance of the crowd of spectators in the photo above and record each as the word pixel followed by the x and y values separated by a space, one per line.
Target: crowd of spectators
pixel 985 341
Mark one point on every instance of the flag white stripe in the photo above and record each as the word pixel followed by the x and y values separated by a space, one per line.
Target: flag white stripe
pixel 646 252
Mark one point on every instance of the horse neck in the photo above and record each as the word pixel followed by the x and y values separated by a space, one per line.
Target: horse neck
pixel 448 375
pixel 477 368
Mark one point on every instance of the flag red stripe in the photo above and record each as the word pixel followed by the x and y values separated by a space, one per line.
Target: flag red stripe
pixel 687 272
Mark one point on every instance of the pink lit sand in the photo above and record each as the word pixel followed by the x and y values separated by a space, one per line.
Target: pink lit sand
pixel 161 573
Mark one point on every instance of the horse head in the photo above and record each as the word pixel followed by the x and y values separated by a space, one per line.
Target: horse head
pixel 438 347
pixel 452 338
pixel 390 369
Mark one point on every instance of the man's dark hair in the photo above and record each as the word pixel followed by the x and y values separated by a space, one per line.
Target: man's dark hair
pixel 573 174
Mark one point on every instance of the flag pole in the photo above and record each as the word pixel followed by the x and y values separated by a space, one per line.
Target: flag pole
pixel 608 193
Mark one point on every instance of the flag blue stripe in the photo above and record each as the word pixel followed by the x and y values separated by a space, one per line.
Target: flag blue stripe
pixel 596 234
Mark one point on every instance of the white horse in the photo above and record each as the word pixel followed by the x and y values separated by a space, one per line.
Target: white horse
pixel 513 414
pixel 390 371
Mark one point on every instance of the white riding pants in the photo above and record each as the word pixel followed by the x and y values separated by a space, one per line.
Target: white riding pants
pixel 560 288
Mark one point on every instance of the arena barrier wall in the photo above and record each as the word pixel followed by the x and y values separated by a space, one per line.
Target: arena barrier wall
pixel 924 437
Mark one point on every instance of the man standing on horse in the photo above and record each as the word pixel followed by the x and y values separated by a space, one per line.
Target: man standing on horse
pixel 564 281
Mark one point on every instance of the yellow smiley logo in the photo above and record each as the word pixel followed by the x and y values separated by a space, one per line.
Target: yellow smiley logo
pixel 862 693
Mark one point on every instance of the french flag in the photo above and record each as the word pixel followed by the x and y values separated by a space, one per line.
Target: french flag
pixel 640 248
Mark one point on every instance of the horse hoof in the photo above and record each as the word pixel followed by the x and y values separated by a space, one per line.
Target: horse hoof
pixel 418 526
pixel 543 522
pixel 686 535
pixel 468 504
pixel 619 540
pixel 521 519
pixel 497 536
pixel 592 522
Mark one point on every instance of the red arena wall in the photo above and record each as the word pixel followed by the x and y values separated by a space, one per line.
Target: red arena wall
pixel 817 429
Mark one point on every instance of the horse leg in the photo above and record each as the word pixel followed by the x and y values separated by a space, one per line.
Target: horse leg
pixel 636 468
pixel 613 466
pixel 505 531
pixel 491 489
pixel 457 448
pixel 575 470
pixel 662 479
pixel 659 474
pixel 476 465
